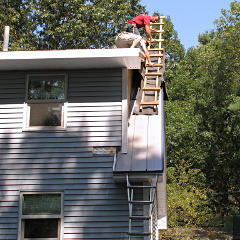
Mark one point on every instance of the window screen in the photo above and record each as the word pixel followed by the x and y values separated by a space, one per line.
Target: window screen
pixel 41 228
pixel 41 204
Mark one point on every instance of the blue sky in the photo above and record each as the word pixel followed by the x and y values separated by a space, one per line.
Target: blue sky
pixel 189 17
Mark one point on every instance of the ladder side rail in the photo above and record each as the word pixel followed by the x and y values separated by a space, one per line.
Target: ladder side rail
pixel 129 206
pixel 158 69
pixel 144 85
pixel 153 193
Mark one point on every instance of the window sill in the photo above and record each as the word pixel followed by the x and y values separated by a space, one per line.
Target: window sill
pixel 44 129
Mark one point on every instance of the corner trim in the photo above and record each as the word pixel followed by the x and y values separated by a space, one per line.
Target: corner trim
pixel 124 110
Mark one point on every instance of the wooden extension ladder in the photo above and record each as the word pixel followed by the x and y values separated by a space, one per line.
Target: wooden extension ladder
pixel 156 71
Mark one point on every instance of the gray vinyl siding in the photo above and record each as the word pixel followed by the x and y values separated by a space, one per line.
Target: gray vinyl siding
pixel 12 89
pixel 95 207
pixel 12 93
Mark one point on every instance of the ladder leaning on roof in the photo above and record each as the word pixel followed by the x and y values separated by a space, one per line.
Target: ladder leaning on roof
pixel 155 72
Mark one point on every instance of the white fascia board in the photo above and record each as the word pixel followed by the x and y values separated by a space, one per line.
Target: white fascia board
pixel 71 59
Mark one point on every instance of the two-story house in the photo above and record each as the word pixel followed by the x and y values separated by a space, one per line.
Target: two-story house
pixel 72 149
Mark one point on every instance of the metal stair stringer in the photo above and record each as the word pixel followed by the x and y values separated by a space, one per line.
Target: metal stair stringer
pixel 145 218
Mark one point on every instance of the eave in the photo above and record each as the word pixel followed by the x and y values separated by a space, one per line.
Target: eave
pixel 71 59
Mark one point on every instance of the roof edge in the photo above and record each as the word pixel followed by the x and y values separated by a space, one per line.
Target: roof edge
pixel 71 59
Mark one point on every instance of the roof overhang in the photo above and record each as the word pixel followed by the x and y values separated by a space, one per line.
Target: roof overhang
pixel 71 59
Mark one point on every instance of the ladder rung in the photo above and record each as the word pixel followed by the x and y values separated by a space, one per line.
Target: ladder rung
pixel 158 40
pixel 155 49
pixel 157 24
pixel 155 65
pixel 156 55
pixel 151 88
pixel 139 217
pixel 146 186
pixel 150 103
pixel 153 74
pixel 157 31
pixel 139 234
pixel 140 202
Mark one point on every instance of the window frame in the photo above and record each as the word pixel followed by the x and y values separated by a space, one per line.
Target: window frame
pixel 21 218
pixel 26 120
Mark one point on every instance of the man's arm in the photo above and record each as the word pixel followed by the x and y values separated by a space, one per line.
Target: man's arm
pixel 147 28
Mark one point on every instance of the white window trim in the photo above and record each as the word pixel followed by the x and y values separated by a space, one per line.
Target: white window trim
pixel 26 114
pixel 22 217
pixel 26 121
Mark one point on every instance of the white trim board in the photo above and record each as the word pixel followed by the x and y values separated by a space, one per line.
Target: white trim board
pixel 71 59
pixel 124 110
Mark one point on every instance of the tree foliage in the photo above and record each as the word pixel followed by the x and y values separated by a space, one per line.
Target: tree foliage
pixel 188 203
pixel 18 15
pixel 174 49
pixel 203 118
pixel 66 24
pixel 82 24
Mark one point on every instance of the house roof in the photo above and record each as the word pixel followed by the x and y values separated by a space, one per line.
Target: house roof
pixel 71 59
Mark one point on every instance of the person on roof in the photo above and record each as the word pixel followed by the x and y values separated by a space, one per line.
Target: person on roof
pixel 130 37
pixel 141 21
pixel 132 40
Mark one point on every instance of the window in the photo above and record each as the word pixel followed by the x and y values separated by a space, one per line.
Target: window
pixel 40 216
pixel 46 94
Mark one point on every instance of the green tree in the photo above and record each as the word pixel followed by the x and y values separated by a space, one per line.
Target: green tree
pixel 206 37
pixel 187 196
pixel 219 130
pixel 82 24
pixel 203 115
pixel 229 31
pixel 174 49
pixel 65 24
pixel 18 15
